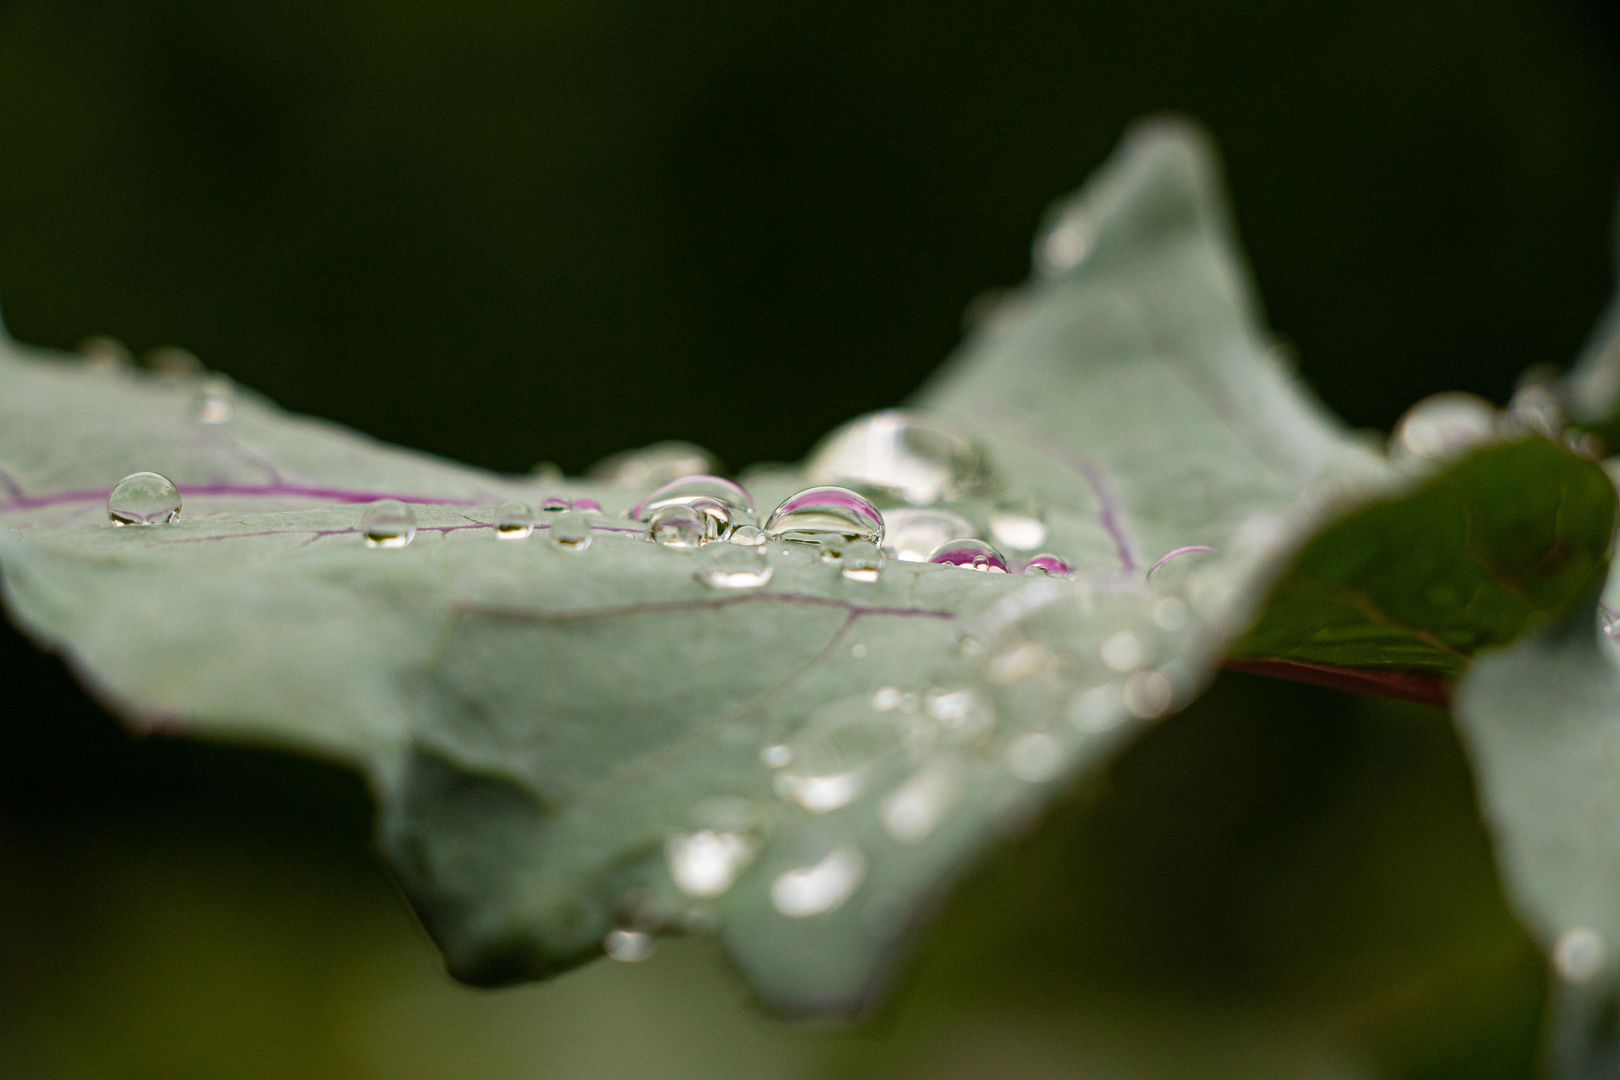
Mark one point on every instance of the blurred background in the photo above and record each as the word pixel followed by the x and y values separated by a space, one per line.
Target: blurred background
pixel 512 232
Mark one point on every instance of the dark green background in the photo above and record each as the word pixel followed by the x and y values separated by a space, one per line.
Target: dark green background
pixel 509 232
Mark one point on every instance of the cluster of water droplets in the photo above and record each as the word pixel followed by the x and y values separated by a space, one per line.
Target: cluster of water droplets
pixel 1448 424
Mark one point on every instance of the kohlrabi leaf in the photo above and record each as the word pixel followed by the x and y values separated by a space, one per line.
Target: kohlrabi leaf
pixel 576 745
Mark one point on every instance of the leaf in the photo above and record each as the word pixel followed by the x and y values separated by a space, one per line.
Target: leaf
pixel 571 743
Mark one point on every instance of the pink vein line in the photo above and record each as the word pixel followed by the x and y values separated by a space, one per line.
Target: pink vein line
pixel 343 532
pixel 1090 471
pixel 1167 556
pixel 19 501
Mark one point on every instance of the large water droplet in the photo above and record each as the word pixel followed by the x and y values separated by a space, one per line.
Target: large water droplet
pixel 654 465
pixel 723 504
pixel 912 533
pixel 1579 954
pixel 909 455
pixel 970 555
pixel 570 531
pixel 388 523
pixel 514 521
pixel 862 561
pixel 726 566
pixel 215 402
pixel 1035 758
pixel 706 863
pixel 144 498
pixel 1050 565
pixel 678 527
pixel 748 536
pixel 821 887
pixel 628 946
pixel 1444 424
pixel 911 811
pixel 827 516
pixel 1018 527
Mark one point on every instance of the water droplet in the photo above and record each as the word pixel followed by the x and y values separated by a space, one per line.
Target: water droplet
pixel 959 712
pixel 911 810
pixel 862 561
pixel 555 504
pixel 388 523
pixel 821 794
pixel 1065 245
pixel 886 699
pixel 1050 565
pixel 1148 694
pixel 706 863
pixel 570 531
pixel 678 527
pixel 1018 662
pixel 829 517
pixel 908 455
pixel 106 355
pixel 514 521
pixel 216 401
pixel 1097 710
pixel 747 536
pixel 1444 424
pixel 858 650
pixel 777 756
pixel 1018 527
pixel 1035 758
pixel 1123 651
pixel 912 533
pixel 1579 954
pixel 654 465
pixel 1172 614
pixel 588 506
pixel 173 361
pixel 1535 408
pixel 722 503
pixel 144 498
pixel 728 567
pixel 628 946
pixel 822 887
pixel 970 555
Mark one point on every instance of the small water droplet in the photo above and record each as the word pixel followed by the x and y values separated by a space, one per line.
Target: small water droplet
pixel 628 946
pixel 677 527
pixel 821 887
pixel 706 863
pixel 1444 424
pixel 910 455
pixel 949 706
pixel 911 811
pixel 886 698
pixel 144 498
pixel 555 504
pixel 1050 565
pixel 1066 244
pixel 1123 651
pixel 570 531
pixel 514 521
pixel 970 555
pixel 821 794
pixel 728 567
pixel 1035 758
pixel 1018 662
pixel 654 465
pixel 747 536
pixel 777 756
pixel 106 355
pixel 1579 954
pixel 722 503
pixel 588 506
pixel 862 561
pixel 173 361
pixel 388 523
pixel 830 517
pixel 1535 408
pixel 911 533
pixel 216 401
pixel 1148 694
pixel 1097 710
pixel 1018 527
pixel 858 650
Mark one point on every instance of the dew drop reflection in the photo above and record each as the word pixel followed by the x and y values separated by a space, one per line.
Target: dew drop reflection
pixel 821 887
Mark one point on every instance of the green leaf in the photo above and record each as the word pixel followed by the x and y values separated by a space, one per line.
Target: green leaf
pixel 570 742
